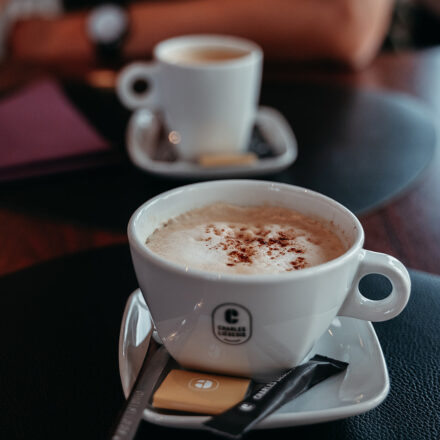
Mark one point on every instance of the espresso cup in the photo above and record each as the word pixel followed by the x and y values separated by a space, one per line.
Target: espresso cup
pixel 272 320
pixel 206 88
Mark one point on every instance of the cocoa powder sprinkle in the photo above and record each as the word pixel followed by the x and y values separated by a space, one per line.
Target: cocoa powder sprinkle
pixel 242 246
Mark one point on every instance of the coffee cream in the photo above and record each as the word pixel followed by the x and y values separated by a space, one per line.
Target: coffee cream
pixel 226 238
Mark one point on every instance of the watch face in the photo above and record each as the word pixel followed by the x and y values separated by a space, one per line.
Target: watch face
pixel 107 24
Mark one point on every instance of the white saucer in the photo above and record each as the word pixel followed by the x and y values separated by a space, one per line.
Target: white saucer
pixel 148 151
pixel 364 384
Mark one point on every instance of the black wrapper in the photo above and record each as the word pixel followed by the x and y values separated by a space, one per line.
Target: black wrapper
pixel 265 399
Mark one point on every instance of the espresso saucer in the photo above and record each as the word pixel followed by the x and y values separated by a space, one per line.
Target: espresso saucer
pixel 150 150
pixel 364 384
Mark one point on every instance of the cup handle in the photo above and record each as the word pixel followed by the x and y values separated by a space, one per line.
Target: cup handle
pixel 125 85
pixel 357 306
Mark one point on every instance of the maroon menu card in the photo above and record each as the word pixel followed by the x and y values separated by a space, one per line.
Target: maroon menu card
pixel 41 132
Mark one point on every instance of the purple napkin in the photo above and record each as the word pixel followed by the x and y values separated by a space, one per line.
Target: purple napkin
pixel 41 132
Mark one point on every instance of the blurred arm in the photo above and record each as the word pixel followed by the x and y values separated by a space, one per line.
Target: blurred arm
pixel 346 31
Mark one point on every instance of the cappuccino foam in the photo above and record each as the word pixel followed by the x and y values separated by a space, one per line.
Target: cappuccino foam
pixel 199 55
pixel 226 238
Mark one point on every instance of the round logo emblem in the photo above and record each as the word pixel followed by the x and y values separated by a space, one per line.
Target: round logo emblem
pixel 203 384
pixel 232 323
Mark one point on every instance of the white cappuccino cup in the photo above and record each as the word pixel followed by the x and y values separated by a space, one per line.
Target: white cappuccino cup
pixel 206 87
pixel 274 319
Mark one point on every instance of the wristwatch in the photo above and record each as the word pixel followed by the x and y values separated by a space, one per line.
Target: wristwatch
pixel 107 27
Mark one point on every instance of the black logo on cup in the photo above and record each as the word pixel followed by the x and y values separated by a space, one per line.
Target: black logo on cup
pixel 232 323
pixel 231 316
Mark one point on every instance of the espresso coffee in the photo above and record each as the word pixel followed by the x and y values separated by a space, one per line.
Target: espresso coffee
pixel 225 238
pixel 197 55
